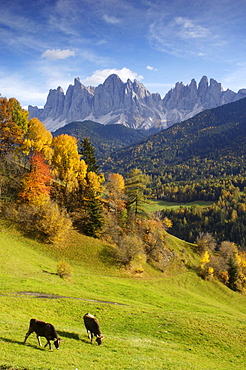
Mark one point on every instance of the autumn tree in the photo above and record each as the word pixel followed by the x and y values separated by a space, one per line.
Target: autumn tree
pixel 36 184
pixel 66 162
pixel 205 241
pixel 10 133
pixel 19 115
pixel 115 192
pixel 39 139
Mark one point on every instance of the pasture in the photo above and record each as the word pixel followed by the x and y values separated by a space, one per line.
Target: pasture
pixel 174 321
pixel 157 205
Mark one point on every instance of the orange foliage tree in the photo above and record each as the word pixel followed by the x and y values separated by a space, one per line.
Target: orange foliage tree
pixel 36 183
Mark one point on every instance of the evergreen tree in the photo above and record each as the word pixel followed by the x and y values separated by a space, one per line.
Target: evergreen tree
pixel 232 273
pixel 94 222
pixel 135 188
pixel 87 152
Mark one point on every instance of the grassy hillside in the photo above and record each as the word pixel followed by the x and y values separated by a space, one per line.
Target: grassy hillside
pixel 173 321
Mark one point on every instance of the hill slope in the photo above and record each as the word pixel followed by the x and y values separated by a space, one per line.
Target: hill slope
pixel 213 134
pixel 180 321
pixel 105 139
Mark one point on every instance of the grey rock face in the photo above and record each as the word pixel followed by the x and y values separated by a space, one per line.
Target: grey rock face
pixel 131 104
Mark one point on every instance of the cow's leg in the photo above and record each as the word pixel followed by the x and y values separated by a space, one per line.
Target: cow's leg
pixel 48 343
pixel 39 341
pixel 30 331
pixel 90 335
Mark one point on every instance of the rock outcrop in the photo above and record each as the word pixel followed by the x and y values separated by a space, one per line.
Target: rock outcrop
pixel 131 104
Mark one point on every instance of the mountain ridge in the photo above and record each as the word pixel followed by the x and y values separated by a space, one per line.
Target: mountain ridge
pixel 105 139
pixel 131 103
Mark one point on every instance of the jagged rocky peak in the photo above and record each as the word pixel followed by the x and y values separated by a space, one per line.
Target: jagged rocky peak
pixel 131 103
pixel 112 83
pixel 140 89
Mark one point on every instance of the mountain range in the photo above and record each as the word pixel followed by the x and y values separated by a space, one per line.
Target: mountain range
pixel 131 104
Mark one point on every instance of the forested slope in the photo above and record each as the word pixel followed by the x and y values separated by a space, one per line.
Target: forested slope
pixel 216 135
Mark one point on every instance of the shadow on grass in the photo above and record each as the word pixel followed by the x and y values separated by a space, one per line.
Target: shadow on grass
pixel 108 256
pixel 67 334
pixel 3 367
pixel 11 340
pixel 20 343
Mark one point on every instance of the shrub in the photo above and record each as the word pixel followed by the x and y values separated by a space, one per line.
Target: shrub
pixel 128 248
pixel 47 221
pixel 64 270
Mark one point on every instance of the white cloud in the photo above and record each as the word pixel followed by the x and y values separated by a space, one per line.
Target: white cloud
pixel 182 36
pixel 58 54
pixel 188 29
pixel 236 79
pixel 111 19
pixel 150 68
pixel 100 76
pixel 13 86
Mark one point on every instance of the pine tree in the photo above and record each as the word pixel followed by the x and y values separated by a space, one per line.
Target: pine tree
pixel 232 273
pixel 94 223
pixel 87 152
pixel 135 187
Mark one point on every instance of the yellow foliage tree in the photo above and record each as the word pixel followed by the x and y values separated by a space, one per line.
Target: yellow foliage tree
pixel 66 162
pixel 19 115
pixel 167 223
pixel 204 260
pixel 39 139
pixel 94 183
pixel 115 196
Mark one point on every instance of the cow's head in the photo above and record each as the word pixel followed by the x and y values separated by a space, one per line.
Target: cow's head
pixel 57 342
pixel 99 339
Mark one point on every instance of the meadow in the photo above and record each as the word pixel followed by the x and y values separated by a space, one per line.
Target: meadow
pixel 171 321
pixel 157 205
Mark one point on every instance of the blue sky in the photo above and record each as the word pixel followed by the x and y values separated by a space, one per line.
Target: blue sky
pixel 48 43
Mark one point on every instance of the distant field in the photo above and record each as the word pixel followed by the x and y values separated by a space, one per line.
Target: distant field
pixel 157 205
pixel 173 321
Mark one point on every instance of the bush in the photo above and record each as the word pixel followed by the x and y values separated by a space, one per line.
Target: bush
pixel 64 270
pixel 46 221
pixel 128 248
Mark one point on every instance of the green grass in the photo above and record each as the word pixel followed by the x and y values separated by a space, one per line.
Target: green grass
pixel 167 321
pixel 157 205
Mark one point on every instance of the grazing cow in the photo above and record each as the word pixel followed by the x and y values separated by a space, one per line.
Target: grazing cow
pixel 93 328
pixel 43 329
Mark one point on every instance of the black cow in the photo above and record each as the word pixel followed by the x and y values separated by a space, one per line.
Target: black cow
pixel 43 329
pixel 93 328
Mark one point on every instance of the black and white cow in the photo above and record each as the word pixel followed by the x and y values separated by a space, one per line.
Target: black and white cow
pixel 93 328
pixel 43 329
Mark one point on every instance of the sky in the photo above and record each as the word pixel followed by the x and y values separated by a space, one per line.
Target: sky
pixel 48 43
